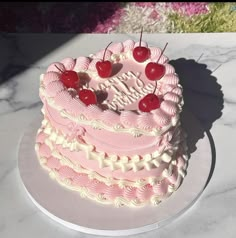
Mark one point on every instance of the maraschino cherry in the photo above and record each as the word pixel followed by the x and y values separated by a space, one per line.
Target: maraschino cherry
pixel 87 96
pixel 149 102
pixel 69 78
pixel 104 67
pixel 141 53
pixel 155 71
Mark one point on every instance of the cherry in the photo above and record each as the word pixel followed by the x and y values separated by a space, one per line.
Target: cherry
pixel 141 53
pixel 104 67
pixel 87 96
pixel 149 102
pixel 69 78
pixel 155 71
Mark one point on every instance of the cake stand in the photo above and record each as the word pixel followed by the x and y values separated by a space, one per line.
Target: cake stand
pixel 69 209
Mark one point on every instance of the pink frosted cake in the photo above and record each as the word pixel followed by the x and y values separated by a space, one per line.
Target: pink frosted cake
pixel 111 127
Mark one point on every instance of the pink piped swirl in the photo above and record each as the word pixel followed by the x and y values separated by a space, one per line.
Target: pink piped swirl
pixel 146 121
pixel 63 99
pixel 58 68
pixel 116 48
pixel 171 79
pixel 160 188
pixel 100 54
pixel 54 88
pixel 161 118
pixel 69 63
pixel 169 69
pixel 155 53
pixel 44 150
pixel 53 163
pixel 110 117
pixel 92 65
pixel 129 193
pixel 164 59
pixel 128 45
pixel 165 88
pixel 145 192
pixel 177 91
pixel 82 63
pixel 171 97
pixel 76 106
pixel 96 186
pixel 128 118
pixel 81 180
pixel 66 172
pixel 113 191
pixel 41 137
pixel 169 107
pixel 50 77
pixel 93 111
pixel 143 43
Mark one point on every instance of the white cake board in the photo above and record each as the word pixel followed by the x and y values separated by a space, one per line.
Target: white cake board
pixel 69 209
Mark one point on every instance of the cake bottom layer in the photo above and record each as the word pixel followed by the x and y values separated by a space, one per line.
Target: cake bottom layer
pixel 107 190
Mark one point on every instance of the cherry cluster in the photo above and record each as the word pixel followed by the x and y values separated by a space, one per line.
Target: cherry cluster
pixel 153 71
pixel 71 80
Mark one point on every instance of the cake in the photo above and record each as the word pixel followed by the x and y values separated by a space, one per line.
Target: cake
pixel 111 129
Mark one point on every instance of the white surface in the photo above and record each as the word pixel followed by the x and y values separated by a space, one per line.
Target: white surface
pixel 212 216
pixel 69 209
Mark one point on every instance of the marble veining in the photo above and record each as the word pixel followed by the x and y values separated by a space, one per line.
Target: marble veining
pixel 206 66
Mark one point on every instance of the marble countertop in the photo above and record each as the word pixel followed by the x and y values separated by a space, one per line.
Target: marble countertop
pixel 206 64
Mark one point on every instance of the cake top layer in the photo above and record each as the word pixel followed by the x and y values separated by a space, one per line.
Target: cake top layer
pixel 115 100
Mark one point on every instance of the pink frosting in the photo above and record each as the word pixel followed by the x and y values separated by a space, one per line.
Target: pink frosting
pixel 128 45
pixel 172 97
pixel 96 186
pixel 171 79
pixel 82 63
pixel 92 65
pixel 67 172
pixel 109 117
pixel 44 150
pixel 161 117
pixel 40 137
pixel 59 65
pixel 69 63
pixel 50 77
pixel 169 69
pixel 145 192
pixel 100 54
pixel 113 191
pixel 116 48
pixel 63 98
pixel 54 88
pixel 128 118
pixel 130 193
pixel 53 163
pixel 155 53
pixel 169 107
pixel 146 121
pixel 81 180
pixel 76 107
pixel 93 111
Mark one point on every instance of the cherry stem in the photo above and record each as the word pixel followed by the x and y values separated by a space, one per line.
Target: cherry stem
pixel 105 51
pixel 155 88
pixel 141 37
pixel 162 52
pixel 58 68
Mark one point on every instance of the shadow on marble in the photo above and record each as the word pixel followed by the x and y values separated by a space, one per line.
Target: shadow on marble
pixel 14 59
pixel 203 100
